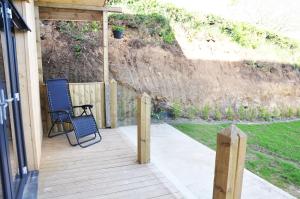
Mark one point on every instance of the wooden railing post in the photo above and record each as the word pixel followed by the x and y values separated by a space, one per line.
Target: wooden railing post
pixel 230 162
pixel 113 103
pixel 143 128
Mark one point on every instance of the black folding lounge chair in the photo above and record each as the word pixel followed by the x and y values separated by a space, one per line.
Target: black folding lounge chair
pixel 61 111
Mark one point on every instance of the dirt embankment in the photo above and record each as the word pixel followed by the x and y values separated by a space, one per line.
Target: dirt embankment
pixel 147 65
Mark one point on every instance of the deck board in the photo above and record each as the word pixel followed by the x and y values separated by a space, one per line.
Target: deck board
pixel 105 170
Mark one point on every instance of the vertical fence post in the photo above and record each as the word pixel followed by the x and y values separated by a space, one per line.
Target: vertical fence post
pixel 230 162
pixel 143 128
pixel 113 103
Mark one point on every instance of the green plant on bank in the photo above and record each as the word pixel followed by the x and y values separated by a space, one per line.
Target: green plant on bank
pixel 70 28
pixel 287 112
pixel 176 110
pixel 290 112
pixel 264 114
pixel 95 26
pixel 242 113
pixel 192 112
pixel 297 112
pixel 251 114
pixel 229 112
pixel 218 113
pixel 77 50
pixel 78 34
pixel 118 28
pixel 205 112
pixel 276 113
pixel 154 24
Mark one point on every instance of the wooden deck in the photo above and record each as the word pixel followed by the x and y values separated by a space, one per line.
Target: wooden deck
pixel 105 170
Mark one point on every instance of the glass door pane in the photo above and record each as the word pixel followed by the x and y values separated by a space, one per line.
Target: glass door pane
pixel 1 194
pixel 13 170
pixel 7 122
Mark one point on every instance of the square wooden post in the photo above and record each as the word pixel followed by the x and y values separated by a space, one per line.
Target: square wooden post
pixel 230 161
pixel 143 128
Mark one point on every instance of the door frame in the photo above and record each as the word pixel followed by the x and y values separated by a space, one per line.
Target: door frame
pixel 11 20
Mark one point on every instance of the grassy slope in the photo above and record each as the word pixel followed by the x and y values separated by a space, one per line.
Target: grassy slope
pixel 273 149
pixel 286 50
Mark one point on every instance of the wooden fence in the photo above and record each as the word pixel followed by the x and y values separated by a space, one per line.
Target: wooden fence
pixel 81 93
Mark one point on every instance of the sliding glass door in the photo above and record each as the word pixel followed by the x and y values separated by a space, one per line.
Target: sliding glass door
pixel 13 165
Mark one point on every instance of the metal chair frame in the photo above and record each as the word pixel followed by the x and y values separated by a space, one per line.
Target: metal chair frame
pixel 67 116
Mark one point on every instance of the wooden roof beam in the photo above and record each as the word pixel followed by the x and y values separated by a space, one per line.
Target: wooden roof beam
pixel 78 7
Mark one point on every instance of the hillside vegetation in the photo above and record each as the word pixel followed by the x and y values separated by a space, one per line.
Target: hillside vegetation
pixel 285 49
pixel 260 83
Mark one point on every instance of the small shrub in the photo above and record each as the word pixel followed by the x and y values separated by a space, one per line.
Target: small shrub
pixel 287 112
pixel 77 50
pixel 176 110
pixel 229 113
pixel 276 113
pixel 95 26
pixel 263 113
pixel 290 112
pixel 298 112
pixel 242 113
pixel 118 28
pixel 205 112
pixel 218 113
pixel 192 112
pixel 168 37
pixel 251 114
pixel 244 34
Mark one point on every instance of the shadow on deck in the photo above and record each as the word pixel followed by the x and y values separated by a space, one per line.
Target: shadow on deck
pixel 105 170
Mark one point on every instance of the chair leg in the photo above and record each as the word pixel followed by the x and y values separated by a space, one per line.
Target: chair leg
pixel 95 136
pixel 49 134
pixel 67 134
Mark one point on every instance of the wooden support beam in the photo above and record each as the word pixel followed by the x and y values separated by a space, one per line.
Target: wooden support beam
pixel 29 85
pixel 229 167
pixel 143 128
pixel 38 43
pixel 105 47
pixel 78 7
pixel 68 14
pixel 106 68
pixel 114 103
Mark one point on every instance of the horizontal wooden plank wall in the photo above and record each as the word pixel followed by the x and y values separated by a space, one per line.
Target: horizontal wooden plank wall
pixel 81 93
pixel 69 14
pixel 75 2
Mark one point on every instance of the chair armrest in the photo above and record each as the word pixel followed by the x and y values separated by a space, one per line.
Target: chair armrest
pixel 85 106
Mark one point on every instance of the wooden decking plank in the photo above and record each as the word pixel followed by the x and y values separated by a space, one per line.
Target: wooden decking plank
pixel 86 165
pixel 105 170
pixel 103 178
pixel 104 188
pixel 89 172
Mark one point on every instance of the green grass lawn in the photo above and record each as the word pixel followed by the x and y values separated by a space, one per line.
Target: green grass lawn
pixel 273 150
